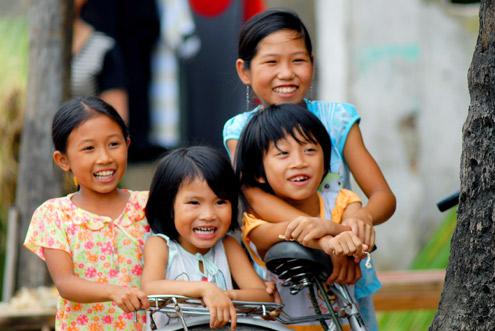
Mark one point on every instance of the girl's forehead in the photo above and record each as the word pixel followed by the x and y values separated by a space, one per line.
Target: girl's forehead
pixel 95 126
pixel 282 37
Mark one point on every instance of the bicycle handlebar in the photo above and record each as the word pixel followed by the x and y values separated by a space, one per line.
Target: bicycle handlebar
pixel 448 202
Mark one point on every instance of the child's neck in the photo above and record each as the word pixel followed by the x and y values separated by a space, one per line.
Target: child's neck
pixel 109 204
pixel 192 249
pixel 310 206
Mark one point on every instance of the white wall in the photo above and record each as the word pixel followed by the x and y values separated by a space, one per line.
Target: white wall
pixel 404 65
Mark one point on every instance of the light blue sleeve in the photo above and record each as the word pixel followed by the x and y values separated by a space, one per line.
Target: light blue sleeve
pixel 232 129
pixel 338 118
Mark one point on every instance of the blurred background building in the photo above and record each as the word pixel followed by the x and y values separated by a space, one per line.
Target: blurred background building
pixel 403 64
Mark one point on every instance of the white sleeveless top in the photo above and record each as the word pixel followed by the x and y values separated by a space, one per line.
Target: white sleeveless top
pixel 183 265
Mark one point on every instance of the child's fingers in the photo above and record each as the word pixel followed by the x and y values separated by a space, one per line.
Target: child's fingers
pixel 233 318
pixel 290 228
pixel 355 228
pixel 359 246
pixel 129 306
pixel 143 298
pixel 336 248
pixel 348 276
pixel 295 231
pixel 342 275
pixel 135 302
pixel 223 316
pixel 213 316
pixel 270 287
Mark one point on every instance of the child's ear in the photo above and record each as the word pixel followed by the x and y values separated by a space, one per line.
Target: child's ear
pixel 243 72
pixel 261 180
pixel 61 160
pixel 128 142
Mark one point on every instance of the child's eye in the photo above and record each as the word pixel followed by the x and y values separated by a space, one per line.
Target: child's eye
pixel 192 202
pixel 282 153
pixel 87 148
pixel 270 62
pixel 222 202
pixel 310 150
pixel 114 143
pixel 300 60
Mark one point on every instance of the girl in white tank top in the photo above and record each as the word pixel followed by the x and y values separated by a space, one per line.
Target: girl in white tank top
pixel 192 200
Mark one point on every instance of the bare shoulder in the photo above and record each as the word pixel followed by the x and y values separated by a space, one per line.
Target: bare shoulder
pixel 229 242
pixel 155 244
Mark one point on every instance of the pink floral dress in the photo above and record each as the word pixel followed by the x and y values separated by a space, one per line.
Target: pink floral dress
pixel 102 250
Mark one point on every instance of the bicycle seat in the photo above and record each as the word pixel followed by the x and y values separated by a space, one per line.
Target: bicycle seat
pixel 291 260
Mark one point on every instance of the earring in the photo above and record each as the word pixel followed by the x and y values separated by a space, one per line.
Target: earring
pixel 75 182
pixel 248 98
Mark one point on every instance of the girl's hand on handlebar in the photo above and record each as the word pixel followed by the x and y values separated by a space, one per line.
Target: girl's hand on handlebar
pixel 343 244
pixel 271 289
pixel 361 224
pixel 129 299
pixel 345 270
pixel 220 306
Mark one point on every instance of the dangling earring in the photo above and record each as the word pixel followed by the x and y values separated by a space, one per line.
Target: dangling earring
pixel 248 98
pixel 311 95
pixel 75 182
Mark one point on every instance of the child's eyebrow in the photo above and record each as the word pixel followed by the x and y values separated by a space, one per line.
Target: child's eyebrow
pixel 298 53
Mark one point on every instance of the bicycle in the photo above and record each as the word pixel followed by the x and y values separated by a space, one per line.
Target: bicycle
pixel 298 267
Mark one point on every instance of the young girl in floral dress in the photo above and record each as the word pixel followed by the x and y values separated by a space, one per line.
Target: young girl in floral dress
pixel 92 239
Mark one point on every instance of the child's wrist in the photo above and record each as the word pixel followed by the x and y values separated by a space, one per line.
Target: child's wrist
pixel 110 291
pixel 231 294
pixel 334 229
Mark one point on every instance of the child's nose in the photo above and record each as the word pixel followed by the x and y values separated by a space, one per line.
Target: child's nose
pixel 104 156
pixel 207 213
pixel 298 160
pixel 286 71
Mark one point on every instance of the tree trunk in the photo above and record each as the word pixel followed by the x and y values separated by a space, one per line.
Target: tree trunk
pixel 468 298
pixel 48 78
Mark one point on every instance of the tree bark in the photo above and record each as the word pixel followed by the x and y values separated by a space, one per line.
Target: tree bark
pixel 48 85
pixel 468 297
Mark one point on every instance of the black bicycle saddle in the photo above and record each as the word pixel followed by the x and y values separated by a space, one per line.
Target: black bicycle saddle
pixel 289 259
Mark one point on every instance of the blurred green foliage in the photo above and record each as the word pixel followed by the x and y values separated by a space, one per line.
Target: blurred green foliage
pixel 434 255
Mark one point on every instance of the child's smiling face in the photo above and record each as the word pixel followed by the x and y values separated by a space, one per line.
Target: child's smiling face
pixel 294 169
pixel 201 217
pixel 96 155
pixel 281 71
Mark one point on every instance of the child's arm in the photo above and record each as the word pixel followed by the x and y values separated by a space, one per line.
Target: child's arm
pixel 381 200
pixel 306 229
pixel 267 234
pixel 74 288
pixel 251 287
pixel 153 282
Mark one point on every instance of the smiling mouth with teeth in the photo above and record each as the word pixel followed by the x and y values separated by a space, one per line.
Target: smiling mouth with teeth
pixel 299 179
pixel 204 229
pixel 104 174
pixel 285 89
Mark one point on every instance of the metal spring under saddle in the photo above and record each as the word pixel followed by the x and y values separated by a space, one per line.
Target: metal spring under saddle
pixel 295 274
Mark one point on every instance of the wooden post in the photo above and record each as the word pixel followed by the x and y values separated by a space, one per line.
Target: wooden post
pixel 48 86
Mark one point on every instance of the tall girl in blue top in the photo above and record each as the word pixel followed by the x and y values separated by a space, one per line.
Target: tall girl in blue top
pixel 275 60
pixel 192 201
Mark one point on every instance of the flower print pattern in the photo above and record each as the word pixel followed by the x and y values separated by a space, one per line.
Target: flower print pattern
pixel 102 250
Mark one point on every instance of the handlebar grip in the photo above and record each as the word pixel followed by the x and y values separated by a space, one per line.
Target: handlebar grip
pixel 449 202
